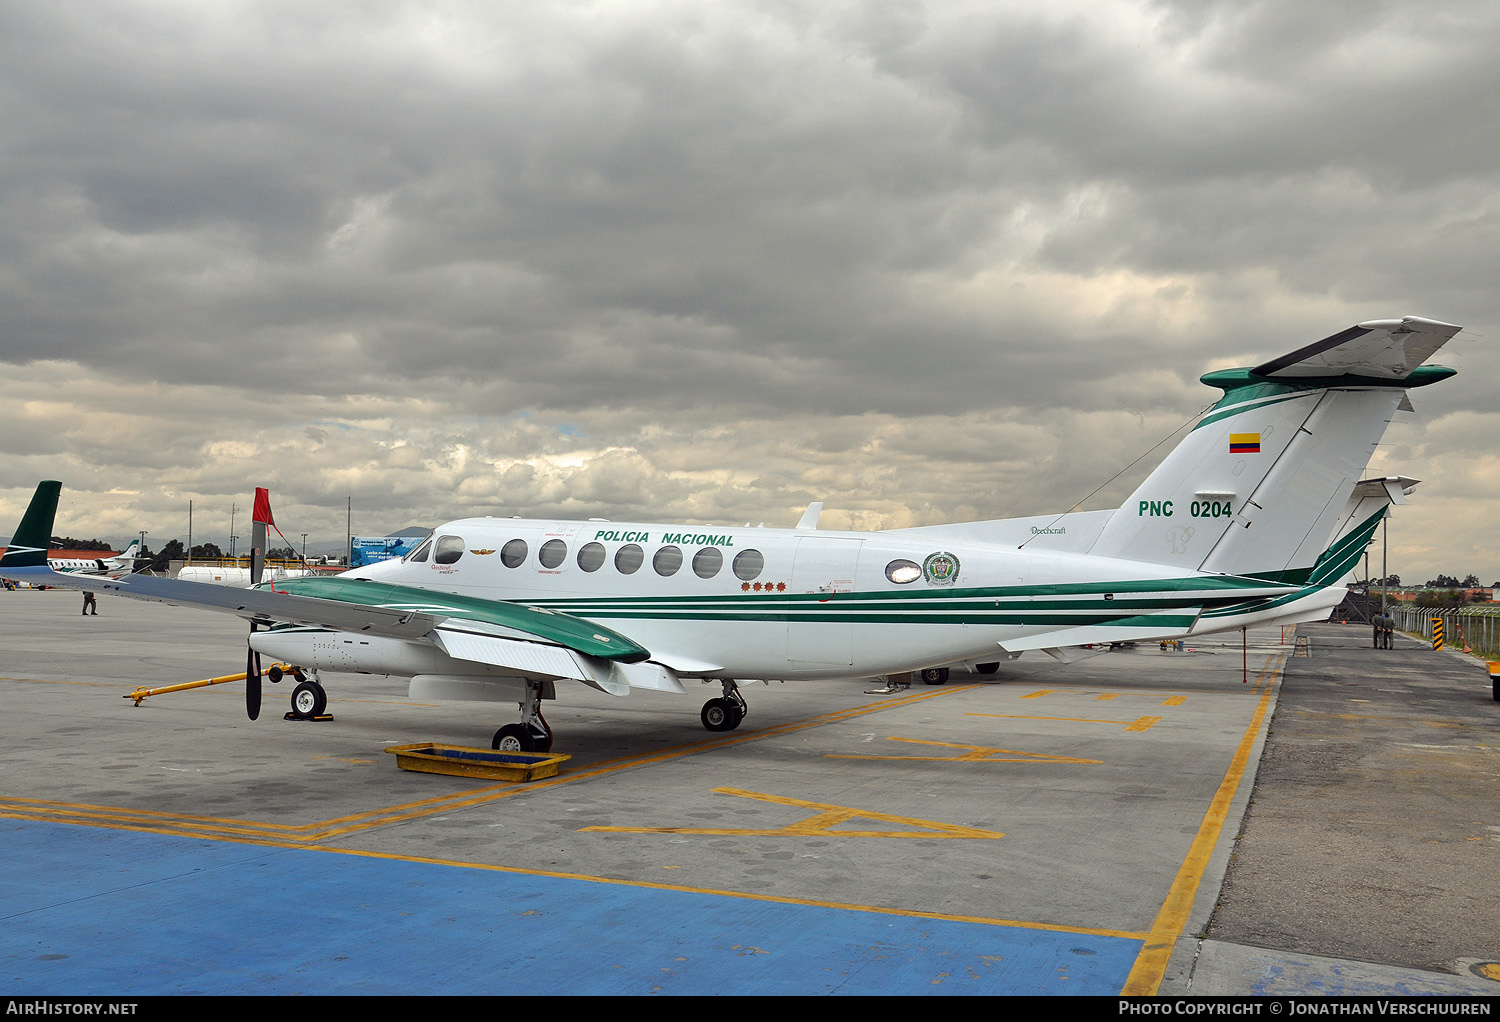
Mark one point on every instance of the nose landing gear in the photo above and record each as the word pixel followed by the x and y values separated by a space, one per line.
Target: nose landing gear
pixel 309 700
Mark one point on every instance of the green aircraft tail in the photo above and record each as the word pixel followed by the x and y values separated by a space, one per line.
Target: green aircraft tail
pixel 28 547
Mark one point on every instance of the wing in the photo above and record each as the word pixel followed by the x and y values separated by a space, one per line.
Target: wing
pixel 531 641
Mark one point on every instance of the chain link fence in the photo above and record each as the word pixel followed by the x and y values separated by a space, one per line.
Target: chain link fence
pixel 1474 629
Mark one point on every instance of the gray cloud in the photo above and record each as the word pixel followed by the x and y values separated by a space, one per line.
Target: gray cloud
pixel 923 262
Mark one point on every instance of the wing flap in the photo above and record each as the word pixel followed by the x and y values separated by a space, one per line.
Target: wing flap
pixel 542 660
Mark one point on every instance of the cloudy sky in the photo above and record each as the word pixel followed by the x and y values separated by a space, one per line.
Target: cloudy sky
pixel 709 262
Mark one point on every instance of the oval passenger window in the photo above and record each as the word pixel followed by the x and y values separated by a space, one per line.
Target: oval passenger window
pixel 902 571
pixel 552 553
pixel 513 554
pixel 667 560
pixel 591 556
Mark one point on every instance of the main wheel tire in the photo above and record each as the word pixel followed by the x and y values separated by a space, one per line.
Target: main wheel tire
pixel 512 738
pixel 987 668
pixel 934 675
pixel 309 700
pixel 720 715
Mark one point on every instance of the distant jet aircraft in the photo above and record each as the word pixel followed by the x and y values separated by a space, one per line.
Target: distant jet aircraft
pixel 113 566
pixel 1254 519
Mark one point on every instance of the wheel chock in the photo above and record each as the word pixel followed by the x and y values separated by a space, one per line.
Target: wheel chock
pixel 289 715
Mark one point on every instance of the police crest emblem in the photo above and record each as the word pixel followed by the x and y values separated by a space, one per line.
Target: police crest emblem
pixel 940 569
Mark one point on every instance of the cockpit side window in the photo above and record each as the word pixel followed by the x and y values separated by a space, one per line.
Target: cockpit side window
pixel 420 553
pixel 449 549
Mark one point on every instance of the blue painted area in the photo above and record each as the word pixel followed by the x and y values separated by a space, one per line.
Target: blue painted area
pixel 92 911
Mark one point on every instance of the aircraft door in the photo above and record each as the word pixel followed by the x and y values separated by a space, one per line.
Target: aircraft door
pixel 823 567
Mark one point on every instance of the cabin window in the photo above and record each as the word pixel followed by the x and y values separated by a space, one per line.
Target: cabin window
pixel 420 553
pixel 667 560
pixel 513 554
pixel 629 558
pixel 707 562
pixel 902 571
pixel 449 549
pixel 591 556
pixel 552 553
pixel 748 564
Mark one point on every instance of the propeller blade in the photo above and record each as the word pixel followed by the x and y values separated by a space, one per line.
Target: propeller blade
pixel 252 679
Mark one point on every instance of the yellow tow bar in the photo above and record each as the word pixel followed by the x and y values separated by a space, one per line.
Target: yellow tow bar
pixel 145 693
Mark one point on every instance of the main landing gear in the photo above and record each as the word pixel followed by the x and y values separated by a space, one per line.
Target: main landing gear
pixel 533 734
pixel 309 700
pixel 725 714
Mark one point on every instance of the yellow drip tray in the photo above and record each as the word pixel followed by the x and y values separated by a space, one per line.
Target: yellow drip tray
pixel 462 761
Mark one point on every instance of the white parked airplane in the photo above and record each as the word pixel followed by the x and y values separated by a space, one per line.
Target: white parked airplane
pixel 237 578
pixel 1255 518
pixel 114 566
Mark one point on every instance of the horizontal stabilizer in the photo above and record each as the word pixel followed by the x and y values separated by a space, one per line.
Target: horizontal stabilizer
pixel 1382 349
pixel 1162 625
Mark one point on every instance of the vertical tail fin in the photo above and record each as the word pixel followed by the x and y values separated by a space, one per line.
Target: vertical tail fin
pixel 28 547
pixel 1260 484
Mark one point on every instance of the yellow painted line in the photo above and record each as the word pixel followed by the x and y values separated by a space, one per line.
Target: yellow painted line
pixel 820 824
pixel 1139 724
pixel 1024 924
pixel 1151 964
pixel 1175 700
pixel 222 828
pixel 974 754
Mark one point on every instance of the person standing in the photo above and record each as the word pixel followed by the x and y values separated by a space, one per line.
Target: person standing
pixel 90 605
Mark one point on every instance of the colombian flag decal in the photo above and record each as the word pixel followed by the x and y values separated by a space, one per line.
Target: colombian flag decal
pixel 1244 443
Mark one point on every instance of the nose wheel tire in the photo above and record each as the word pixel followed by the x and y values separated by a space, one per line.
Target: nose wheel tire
pixel 309 700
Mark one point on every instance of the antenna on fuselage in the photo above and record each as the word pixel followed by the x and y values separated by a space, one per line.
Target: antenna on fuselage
pixel 809 519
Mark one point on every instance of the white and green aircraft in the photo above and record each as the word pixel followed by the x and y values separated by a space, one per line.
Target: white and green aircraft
pixel 115 565
pixel 1255 518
